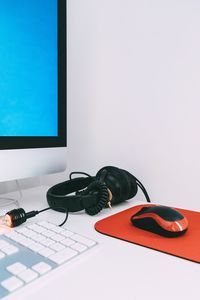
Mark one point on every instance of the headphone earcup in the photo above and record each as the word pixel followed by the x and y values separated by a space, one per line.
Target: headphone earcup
pixel 118 182
pixel 132 184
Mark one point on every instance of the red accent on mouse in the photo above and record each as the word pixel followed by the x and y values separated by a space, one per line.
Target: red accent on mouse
pixel 162 220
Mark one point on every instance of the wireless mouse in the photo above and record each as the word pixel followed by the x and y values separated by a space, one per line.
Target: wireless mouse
pixel 162 220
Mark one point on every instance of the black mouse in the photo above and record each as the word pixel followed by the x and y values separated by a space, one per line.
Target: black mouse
pixel 163 220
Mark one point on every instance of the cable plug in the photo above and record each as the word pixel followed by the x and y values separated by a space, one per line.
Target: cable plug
pixel 16 217
pixel 5 221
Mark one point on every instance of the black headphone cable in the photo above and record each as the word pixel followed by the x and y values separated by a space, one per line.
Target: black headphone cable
pixel 18 216
pixel 143 190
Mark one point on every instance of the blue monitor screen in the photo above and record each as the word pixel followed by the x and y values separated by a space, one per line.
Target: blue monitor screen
pixel 28 68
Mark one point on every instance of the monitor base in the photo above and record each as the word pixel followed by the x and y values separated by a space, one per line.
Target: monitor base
pixel 7 204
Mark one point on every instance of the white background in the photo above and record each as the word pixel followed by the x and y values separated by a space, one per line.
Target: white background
pixel 133 94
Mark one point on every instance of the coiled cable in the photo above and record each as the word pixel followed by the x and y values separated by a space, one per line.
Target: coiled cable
pixel 103 195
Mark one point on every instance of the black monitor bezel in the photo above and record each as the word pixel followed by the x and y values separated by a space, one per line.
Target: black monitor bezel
pixel 25 142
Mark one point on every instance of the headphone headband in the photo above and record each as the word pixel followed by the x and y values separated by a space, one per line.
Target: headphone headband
pixel 58 196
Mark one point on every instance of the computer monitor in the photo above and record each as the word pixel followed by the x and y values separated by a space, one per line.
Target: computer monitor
pixel 32 88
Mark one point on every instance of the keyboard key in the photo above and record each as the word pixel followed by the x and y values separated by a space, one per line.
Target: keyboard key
pixel 26 242
pixel 63 256
pixel 79 247
pixel 47 225
pixel 57 237
pixel 22 230
pixel 30 233
pixel 3 244
pixel 28 275
pixel 43 223
pixel 18 238
pixel 38 237
pixel 47 242
pixel 67 233
pixel 35 246
pixel 16 268
pixel 48 233
pixel 36 228
pixel 68 242
pixel 1 255
pixel 11 234
pixel 46 252
pixel 42 268
pixel 27 232
pixel 57 246
pixel 57 229
pixel 83 240
pixel 12 283
pixel 9 249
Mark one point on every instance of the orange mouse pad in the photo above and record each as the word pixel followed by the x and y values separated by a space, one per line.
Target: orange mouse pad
pixel 186 246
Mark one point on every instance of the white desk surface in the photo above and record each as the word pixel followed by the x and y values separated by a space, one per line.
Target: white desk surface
pixel 112 270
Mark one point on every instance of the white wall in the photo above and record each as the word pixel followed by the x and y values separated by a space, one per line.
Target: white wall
pixel 133 93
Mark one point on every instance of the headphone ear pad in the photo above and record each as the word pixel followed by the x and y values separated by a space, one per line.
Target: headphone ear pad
pixel 118 182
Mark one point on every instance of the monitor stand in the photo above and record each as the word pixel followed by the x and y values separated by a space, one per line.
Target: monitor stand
pixel 8 203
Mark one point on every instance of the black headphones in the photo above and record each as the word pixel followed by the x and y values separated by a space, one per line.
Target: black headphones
pixel 111 185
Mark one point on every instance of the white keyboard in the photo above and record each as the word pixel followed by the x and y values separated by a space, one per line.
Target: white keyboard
pixel 28 252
